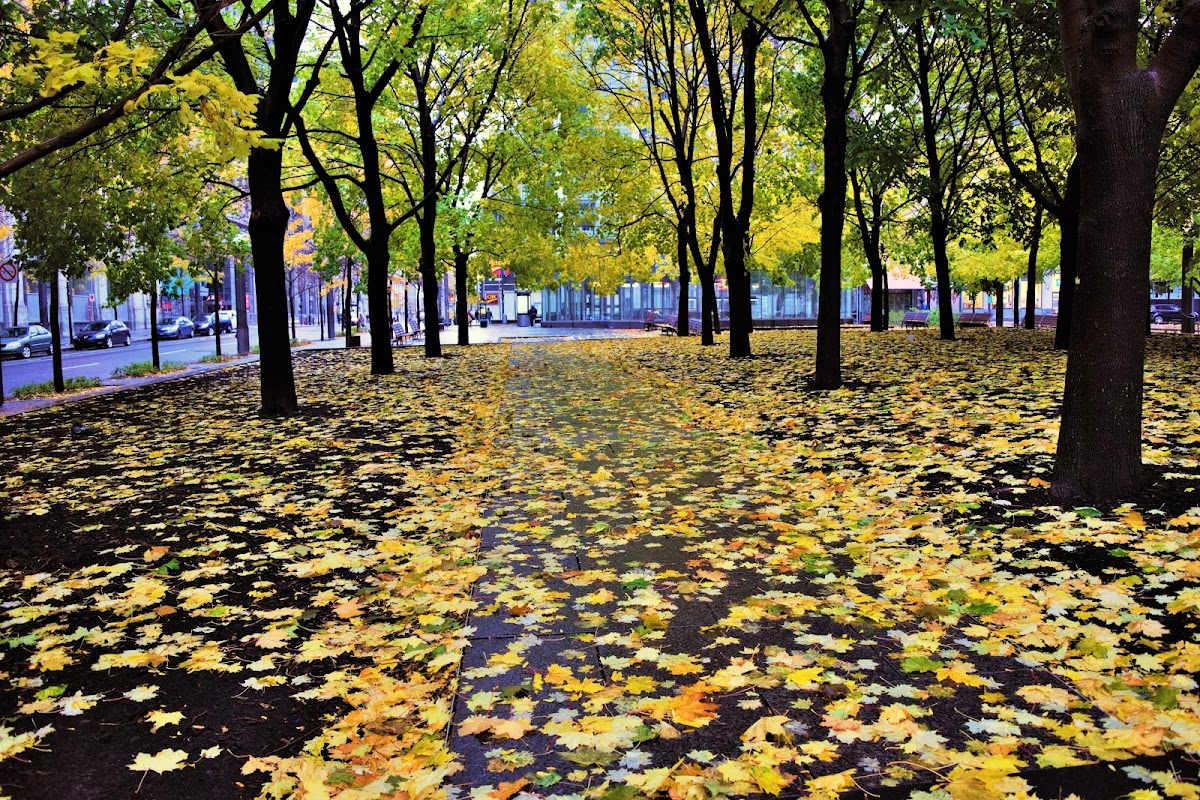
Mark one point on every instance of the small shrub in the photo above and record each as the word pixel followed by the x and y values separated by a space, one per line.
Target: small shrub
pixel 46 388
pixel 254 350
pixel 213 358
pixel 141 369
pixel 300 342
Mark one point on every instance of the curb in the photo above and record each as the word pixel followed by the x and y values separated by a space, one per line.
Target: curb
pixel 12 407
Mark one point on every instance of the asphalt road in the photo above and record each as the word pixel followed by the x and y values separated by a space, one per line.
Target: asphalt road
pixel 100 363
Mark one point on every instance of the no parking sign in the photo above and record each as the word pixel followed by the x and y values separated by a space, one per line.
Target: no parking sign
pixel 8 271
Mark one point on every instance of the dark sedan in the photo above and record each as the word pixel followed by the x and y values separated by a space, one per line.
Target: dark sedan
pixel 1165 312
pixel 103 334
pixel 25 340
pixel 176 328
pixel 204 323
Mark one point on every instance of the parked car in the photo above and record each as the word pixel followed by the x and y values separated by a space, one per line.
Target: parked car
pixel 176 328
pixel 25 340
pixel 1165 312
pixel 103 333
pixel 204 324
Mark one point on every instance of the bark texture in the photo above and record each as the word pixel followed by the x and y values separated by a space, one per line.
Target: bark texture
pixel 1121 111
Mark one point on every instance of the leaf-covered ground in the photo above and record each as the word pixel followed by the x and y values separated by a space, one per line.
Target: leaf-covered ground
pixel 607 569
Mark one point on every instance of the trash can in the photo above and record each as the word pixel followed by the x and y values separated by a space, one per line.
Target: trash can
pixel 523 321
pixel 483 322
pixel 354 340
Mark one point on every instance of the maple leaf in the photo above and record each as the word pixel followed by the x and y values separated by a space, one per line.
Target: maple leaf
pixel 159 718
pixel 162 761
pixel 764 727
pixel 831 785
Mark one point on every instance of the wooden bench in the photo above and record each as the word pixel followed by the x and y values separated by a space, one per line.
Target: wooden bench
pixel 401 336
pixel 975 319
pixel 669 326
pixel 915 319
pixel 1046 320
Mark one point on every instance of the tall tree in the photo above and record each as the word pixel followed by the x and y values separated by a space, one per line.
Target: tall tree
pixel 1018 79
pixel 442 66
pixel 267 75
pixel 846 46
pixel 1121 112
pixel 649 62
pixel 950 124
pixel 881 157
pixel 730 43
pixel 53 243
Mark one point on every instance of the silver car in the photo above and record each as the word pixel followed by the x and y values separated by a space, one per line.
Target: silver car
pixel 25 340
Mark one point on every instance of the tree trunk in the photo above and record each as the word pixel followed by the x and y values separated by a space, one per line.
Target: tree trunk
pixel 835 51
pixel 429 283
pixel 708 304
pixel 56 335
pixel 243 314
pixel 941 263
pixel 379 268
pixel 347 323
pixel 154 355
pixel 216 290
pixel 683 326
pixel 1100 439
pixel 1068 258
pixel 292 306
pixel 70 310
pixel 330 316
pixel 1031 275
pixel 1188 325
pixel 706 274
pixel 1000 304
pixel 461 310
pixel 887 301
pixel 268 228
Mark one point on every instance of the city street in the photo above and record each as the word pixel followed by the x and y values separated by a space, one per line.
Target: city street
pixel 100 363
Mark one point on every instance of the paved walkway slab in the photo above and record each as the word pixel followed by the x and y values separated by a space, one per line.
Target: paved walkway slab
pixel 662 615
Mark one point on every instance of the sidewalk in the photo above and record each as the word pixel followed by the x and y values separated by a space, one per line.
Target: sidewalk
pixel 493 333
pixel 311 335
pixel 668 609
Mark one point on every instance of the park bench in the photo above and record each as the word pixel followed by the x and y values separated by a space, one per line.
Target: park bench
pixel 400 335
pixel 669 326
pixel 975 319
pixel 1046 320
pixel 915 319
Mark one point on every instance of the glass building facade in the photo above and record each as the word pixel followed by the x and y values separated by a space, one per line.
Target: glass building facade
pixel 633 301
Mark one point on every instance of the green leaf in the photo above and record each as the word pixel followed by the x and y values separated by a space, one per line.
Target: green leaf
pixel 590 757
pixel 547 778
pixel 921 664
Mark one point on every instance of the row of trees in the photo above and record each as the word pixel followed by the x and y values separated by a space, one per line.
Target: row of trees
pixel 586 142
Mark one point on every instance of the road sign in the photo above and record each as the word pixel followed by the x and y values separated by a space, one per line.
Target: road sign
pixel 8 271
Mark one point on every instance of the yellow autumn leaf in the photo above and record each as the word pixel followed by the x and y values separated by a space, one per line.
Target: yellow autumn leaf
pixel 770 780
pixel 764 727
pixel 806 677
pixel 831 785
pixel 1058 755
pixel 162 761
pixel 159 718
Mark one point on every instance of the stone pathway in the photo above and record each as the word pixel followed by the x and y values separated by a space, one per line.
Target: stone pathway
pixel 666 609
